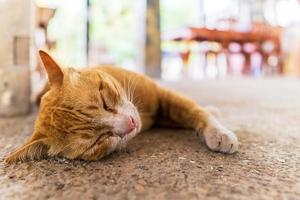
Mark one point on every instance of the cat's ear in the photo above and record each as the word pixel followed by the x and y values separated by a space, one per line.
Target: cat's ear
pixel 55 74
pixel 32 150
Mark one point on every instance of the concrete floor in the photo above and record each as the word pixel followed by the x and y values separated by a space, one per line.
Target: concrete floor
pixel 174 164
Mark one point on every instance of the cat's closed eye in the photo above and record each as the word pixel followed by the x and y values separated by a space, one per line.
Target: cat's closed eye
pixel 106 106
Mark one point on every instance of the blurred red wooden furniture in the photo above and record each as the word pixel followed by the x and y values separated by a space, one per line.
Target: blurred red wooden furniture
pixel 257 37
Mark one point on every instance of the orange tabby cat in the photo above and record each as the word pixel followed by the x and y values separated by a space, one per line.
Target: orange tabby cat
pixel 87 114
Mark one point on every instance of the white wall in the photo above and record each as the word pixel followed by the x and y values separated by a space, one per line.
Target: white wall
pixel 16 20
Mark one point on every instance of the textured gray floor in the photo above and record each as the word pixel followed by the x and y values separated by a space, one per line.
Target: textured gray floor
pixel 174 164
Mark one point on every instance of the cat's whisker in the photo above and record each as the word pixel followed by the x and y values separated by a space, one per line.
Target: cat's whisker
pixel 135 98
pixel 133 91
pixel 130 90
pixel 125 84
pixel 139 106
pixel 127 90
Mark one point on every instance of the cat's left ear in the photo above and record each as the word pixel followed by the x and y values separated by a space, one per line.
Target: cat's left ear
pixel 55 74
pixel 33 149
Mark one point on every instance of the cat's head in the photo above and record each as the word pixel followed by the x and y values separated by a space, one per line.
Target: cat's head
pixel 85 115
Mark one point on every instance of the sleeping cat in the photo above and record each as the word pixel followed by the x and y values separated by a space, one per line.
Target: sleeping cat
pixel 87 114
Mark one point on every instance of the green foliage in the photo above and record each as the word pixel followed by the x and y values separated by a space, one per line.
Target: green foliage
pixel 177 13
pixel 112 27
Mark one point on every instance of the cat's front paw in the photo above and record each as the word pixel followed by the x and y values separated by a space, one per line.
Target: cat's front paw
pixel 221 139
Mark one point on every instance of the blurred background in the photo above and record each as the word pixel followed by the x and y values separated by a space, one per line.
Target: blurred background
pixel 165 39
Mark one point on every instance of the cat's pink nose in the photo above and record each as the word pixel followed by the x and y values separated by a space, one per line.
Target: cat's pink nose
pixel 126 125
pixel 131 124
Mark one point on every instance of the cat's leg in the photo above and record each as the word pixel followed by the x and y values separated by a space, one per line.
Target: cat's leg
pixel 188 114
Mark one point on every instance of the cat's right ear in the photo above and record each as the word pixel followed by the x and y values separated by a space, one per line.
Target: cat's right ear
pixel 55 74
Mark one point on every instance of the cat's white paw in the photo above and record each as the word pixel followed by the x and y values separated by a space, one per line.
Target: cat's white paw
pixel 218 138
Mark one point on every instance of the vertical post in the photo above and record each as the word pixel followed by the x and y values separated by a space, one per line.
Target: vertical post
pixel 152 49
pixel 17 16
pixel 88 15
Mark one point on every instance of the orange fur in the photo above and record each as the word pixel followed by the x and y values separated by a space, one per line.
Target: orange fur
pixel 76 114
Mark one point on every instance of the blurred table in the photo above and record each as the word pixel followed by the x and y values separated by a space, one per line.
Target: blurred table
pixel 257 37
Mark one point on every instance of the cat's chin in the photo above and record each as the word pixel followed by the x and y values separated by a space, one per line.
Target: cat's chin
pixel 122 141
